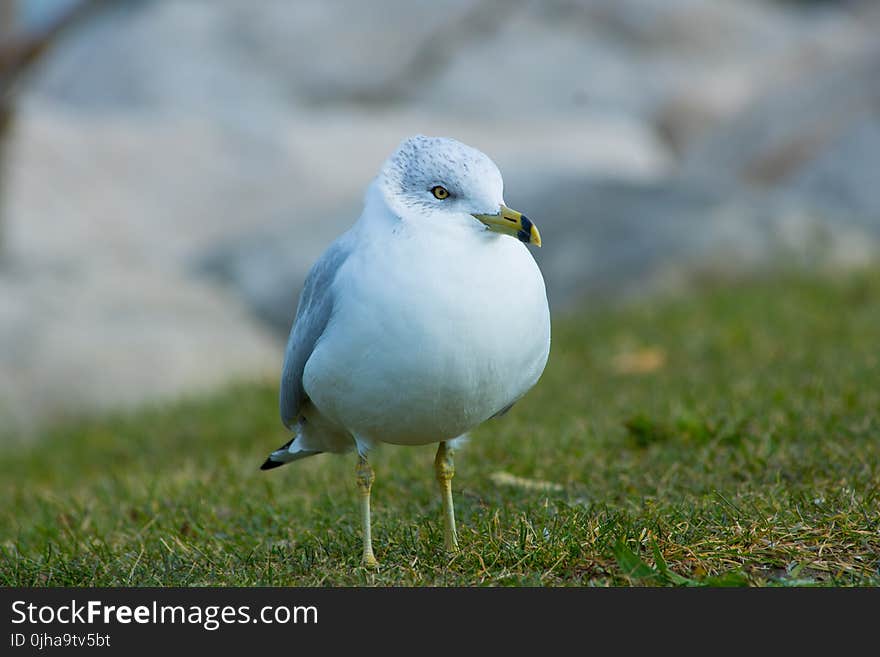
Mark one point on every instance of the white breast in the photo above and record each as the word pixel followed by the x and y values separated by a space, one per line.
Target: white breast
pixel 433 333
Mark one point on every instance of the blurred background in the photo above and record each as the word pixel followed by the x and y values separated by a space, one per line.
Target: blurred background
pixel 170 169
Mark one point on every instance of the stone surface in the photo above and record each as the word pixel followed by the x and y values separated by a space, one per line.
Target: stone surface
pixel 613 240
pixel 773 138
pixel 86 338
pixel 842 178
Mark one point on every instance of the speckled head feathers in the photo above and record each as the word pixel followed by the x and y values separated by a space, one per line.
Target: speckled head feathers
pixel 422 163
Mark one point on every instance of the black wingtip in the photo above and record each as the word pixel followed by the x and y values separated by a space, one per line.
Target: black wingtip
pixel 269 464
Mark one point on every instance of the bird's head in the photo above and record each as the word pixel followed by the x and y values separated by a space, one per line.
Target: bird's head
pixel 439 179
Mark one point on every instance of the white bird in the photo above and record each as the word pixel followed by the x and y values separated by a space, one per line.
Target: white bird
pixel 427 318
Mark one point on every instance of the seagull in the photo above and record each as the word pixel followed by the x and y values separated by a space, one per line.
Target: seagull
pixel 424 320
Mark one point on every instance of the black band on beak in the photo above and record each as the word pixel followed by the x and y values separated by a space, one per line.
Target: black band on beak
pixel 525 233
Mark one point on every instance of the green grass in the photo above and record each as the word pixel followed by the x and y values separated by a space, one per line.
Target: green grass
pixel 730 438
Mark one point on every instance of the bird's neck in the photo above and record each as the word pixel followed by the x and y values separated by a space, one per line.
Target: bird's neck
pixel 377 217
pixel 380 218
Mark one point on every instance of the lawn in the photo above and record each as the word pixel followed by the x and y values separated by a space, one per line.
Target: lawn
pixel 732 437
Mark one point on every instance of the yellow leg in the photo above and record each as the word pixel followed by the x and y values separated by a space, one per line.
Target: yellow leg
pixel 365 478
pixel 445 470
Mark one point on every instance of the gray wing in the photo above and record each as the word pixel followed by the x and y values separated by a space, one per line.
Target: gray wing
pixel 312 314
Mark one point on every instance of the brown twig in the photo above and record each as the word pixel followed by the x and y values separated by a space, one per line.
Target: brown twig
pixel 19 50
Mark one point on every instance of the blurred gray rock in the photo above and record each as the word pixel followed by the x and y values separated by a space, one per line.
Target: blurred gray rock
pixel 802 45
pixel 814 141
pixel 76 339
pixel 474 58
pixel 613 240
pixel 230 57
pixel 843 177
pixel 779 136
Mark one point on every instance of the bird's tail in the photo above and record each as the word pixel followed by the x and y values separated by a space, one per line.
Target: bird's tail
pixel 287 453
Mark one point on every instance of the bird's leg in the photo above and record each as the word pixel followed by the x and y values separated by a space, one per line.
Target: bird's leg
pixel 365 478
pixel 445 470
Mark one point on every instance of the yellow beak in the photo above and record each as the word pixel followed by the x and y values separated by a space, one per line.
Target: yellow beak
pixel 511 222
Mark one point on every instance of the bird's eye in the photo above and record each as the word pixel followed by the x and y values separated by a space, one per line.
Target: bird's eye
pixel 440 192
